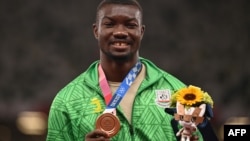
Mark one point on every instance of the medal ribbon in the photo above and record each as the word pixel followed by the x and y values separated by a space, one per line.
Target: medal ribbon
pixel 113 102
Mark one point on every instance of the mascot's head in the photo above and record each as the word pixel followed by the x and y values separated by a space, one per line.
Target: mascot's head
pixel 191 104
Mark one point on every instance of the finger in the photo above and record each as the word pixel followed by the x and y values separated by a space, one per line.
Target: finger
pixel 97 135
pixel 195 138
pixel 97 139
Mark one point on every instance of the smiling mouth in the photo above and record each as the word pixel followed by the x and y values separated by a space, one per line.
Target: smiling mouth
pixel 120 44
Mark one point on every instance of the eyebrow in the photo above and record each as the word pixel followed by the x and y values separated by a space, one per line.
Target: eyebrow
pixel 129 19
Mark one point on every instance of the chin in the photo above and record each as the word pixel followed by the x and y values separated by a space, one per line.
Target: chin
pixel 121 57
pixel 118 56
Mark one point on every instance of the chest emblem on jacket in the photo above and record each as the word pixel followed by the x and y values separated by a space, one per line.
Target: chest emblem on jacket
pixel 96 102
pixel 163 98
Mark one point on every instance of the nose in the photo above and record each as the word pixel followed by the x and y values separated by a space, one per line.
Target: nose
pixel 120 33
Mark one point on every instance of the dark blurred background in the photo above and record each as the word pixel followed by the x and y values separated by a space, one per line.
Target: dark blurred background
pixel 44 44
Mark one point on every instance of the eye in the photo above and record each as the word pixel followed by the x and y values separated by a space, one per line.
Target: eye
pixel 131 25
pixel 108 24
pixel 193 119
pixel 181 117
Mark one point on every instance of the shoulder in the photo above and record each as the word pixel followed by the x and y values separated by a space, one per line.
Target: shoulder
pixel 82 83
pixel 154 73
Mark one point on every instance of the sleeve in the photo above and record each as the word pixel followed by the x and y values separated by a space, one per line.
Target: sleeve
pixel 59 123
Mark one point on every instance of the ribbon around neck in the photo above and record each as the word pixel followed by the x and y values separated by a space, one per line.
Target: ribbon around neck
pixel 113 101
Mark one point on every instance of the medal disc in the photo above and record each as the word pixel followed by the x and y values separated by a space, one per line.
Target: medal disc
pixel 108 123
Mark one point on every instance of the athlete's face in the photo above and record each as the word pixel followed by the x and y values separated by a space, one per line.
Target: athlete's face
pixel 119 31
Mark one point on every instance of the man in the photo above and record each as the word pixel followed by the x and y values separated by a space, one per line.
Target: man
pixel 140 91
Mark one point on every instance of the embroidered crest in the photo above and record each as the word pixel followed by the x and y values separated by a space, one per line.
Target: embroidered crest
pixel 97 103
pixel 163 98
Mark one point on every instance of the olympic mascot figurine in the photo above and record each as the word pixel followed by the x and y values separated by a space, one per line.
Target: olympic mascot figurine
pixel 192 105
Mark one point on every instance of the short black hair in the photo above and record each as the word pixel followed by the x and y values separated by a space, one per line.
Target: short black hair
pixel 122 2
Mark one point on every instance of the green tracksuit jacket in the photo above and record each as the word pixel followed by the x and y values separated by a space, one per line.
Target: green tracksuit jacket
pixel 76 107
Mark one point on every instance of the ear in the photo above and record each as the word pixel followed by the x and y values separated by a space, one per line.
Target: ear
pixel 180 108
pixel 95 30
pixel 203 109
pixel 142 30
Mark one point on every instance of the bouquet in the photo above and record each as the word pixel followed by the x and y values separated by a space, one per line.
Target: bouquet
pixel 191 105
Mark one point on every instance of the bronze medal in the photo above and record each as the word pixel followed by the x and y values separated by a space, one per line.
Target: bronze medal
pixel 108 123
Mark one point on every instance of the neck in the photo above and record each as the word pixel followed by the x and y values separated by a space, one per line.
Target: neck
pixel 117 71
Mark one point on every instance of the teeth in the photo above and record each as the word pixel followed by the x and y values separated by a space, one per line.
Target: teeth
pixel 120 44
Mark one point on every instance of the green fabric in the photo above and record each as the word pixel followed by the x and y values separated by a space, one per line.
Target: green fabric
pixel 76 107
